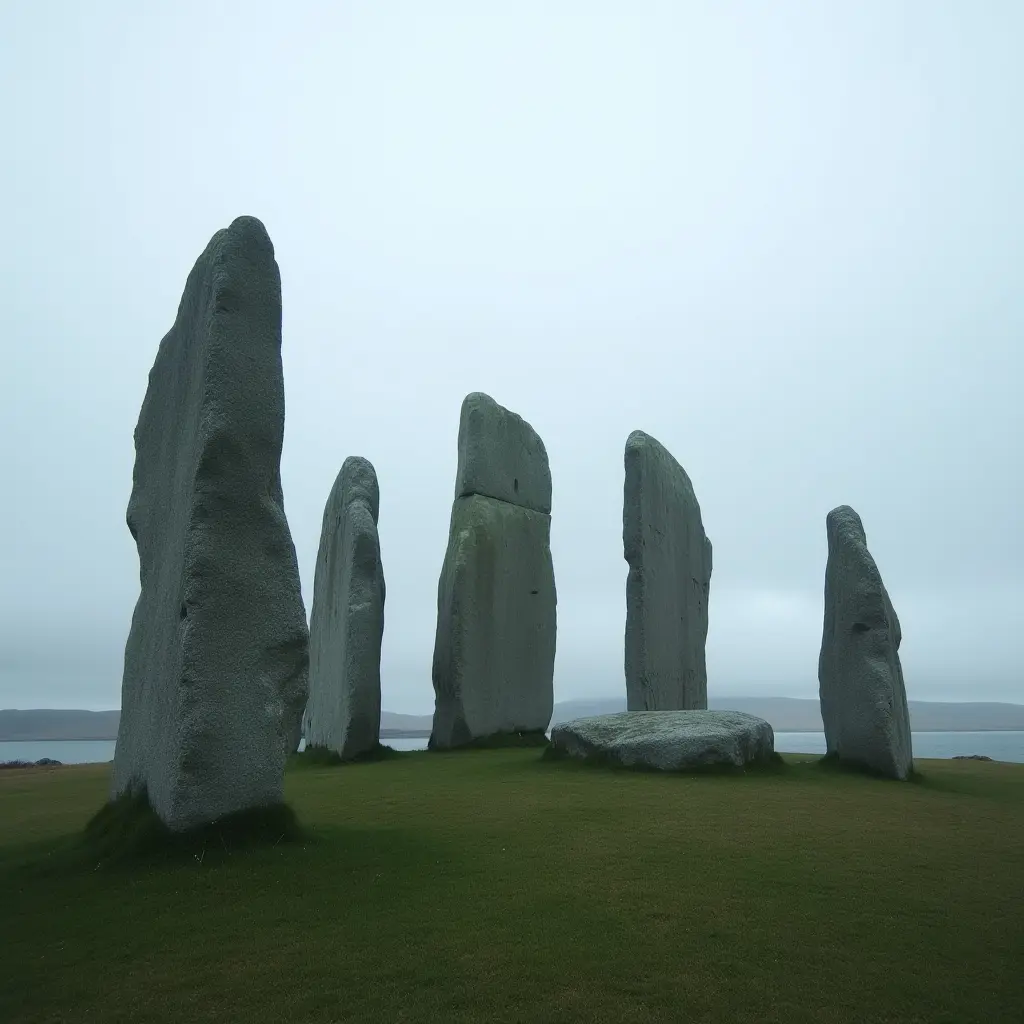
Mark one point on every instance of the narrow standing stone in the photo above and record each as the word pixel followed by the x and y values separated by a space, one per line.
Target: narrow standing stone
pixel 216 663
pixel 863 696
pixel 347 620
pixel 494 653
pixel 668 584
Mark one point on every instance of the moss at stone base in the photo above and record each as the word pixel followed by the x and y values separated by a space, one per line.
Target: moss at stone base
pixel 324 757
pixel 127 829
pixel 497 741
pixel 773 763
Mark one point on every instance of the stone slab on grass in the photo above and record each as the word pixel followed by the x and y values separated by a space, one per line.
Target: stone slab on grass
pixel 667 740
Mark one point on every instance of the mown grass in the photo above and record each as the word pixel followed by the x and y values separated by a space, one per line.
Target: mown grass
pixel 499 886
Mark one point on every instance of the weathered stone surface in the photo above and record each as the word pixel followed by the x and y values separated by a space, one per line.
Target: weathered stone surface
pixel 668 740
pixel 668 584
pixel 347 620
pixel 501 456
pixel 216 663
pixel 863 697
pixel 494 652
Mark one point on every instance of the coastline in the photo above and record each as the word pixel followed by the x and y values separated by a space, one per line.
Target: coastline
pixel 423 734
pixel 44 737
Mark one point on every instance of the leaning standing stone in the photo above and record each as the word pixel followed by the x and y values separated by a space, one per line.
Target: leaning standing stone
pixel 494 653
pixel 863 697
pixel 216 663
pixel 347 621
pixel 668 584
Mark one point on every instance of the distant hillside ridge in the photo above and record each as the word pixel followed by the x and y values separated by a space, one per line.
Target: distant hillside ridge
pixel 786 714
pixel 42 724
pixel 801 714
pixel 46 724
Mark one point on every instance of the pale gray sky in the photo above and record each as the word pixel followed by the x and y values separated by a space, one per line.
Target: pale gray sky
pixel 786 239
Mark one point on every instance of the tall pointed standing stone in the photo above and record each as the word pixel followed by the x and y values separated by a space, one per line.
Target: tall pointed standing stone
pixel 494 653
pixel 216 663
pixel 863 696
pixel 668 584
pixel 347 621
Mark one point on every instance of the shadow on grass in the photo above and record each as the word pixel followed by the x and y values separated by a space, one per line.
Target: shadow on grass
pixel 772 765
pixel 324 757
pixel 498 741
pixel 406 856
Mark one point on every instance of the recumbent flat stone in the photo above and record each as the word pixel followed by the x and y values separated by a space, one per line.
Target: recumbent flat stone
pixel 667 740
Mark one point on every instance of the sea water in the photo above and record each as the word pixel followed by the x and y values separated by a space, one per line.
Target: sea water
pixel 92 751
pixel 1000 746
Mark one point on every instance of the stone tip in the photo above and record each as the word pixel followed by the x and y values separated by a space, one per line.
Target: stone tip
pixel 844 519
pixel 643 449
pixel 251 231
pixel 501 455
pixel 357 481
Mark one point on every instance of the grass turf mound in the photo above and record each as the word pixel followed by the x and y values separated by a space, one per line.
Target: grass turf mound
pixel 127 830
pixel 496 741
pixel 833 763
pixel 324 757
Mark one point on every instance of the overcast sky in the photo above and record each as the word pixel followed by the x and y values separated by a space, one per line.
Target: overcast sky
pixel 786 239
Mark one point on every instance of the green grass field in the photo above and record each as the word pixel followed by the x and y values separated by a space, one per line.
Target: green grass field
pixel 495 886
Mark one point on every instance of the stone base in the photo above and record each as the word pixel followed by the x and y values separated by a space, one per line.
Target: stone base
pixel 667 740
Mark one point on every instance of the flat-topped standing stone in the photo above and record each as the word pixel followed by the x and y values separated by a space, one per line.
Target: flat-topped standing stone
pixel 863 696
pixel 347 621
pixel 667 740
pixel 668 584
pixel 501 456
pixel 216 663
pixel 494 653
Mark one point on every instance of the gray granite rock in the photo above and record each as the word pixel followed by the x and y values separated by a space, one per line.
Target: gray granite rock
pixel 216 663
pixel 501 456
pixel 863 697
pixel 494 652
pixel 668 584
pixel 667 740
pixel 347 620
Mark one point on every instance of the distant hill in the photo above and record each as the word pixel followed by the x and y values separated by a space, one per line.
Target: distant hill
pixel 797 714
pixel 58 725
pixel 46 724
pixel 786 714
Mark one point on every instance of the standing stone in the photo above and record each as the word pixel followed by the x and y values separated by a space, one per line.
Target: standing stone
pixel 494 653
pixel 216 663
pixel 347 622
pixel 669 579
pixel 863 697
